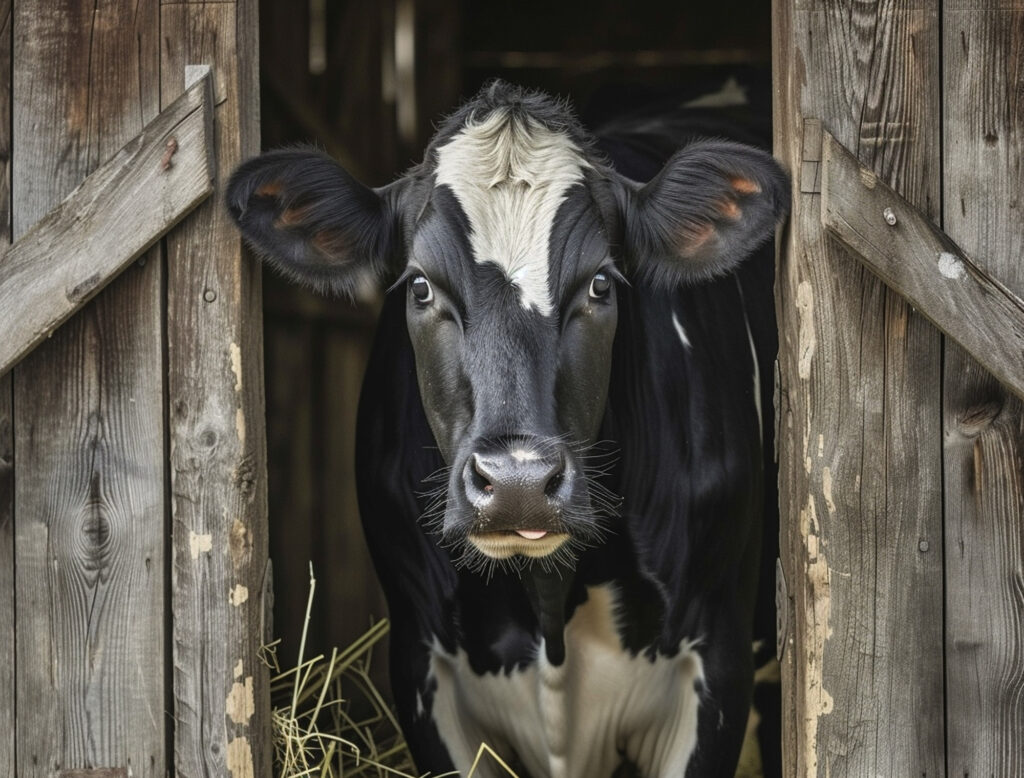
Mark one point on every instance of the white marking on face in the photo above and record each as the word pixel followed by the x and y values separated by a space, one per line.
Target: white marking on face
pixel 680 331
pixel 522 455
pixel 510 175
pixel 573 720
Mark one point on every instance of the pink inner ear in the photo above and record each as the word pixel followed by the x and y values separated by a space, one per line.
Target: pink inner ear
pixel 332 243
pixel 694 238
pixel 728 209
pixel 290 217
pixel 744 186
pixel 271 189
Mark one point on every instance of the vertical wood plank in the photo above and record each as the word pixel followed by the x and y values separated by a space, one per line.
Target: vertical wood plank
pixel 89 486
pixel 7 635
pixel 217 435
pixel 859 406
pixel 983 124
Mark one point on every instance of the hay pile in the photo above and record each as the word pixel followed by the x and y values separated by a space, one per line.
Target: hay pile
pixel 316 730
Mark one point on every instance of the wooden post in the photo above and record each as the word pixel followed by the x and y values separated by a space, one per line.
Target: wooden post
pixel 858 405
pixel 217 437
pixel 983 198
pixel 88 418
pixel 7 635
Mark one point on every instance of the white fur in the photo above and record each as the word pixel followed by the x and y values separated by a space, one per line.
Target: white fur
pixel 523 455
pixel 757 367
pixel 510 175
pixel 573 721
pixel 680 331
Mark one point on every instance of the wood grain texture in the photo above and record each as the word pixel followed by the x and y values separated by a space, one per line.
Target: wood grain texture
pixel 108 222
pixel 7 636
pixel 8 711
pixel 920 262
pixel 858 400
pixel 89 486
pixel 983 122
pixel 217 438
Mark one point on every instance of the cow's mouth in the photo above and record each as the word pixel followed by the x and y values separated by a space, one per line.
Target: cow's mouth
pixel 504 544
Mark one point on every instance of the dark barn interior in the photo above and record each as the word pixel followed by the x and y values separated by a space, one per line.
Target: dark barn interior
pixel 366 81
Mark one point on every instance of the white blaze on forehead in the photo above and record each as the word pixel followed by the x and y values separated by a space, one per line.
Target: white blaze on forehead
pixel 510 174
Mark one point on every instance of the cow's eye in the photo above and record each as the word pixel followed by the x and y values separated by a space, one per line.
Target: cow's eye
pixel 421 289
pixel 600 286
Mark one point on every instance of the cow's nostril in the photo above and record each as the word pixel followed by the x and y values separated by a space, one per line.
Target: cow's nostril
pixel 554 483
pixel 481 480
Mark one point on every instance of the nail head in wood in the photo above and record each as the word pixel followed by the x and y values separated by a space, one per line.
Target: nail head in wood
pixel 169 150
pixel 890 217
pixel 209 295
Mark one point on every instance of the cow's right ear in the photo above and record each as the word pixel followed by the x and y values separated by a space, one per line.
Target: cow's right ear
pixel 306 216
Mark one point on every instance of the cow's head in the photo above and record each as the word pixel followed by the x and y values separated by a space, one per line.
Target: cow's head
pixel 509 242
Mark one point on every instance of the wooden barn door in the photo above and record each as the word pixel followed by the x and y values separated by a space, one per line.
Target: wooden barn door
pixel 132 453
pixel 901 460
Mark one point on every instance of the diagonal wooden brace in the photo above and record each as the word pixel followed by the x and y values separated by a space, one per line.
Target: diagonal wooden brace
pixel 923 264
pixel 109 221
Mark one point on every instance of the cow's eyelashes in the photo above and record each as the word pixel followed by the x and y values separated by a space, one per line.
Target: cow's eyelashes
pixel 600 285
pixel 421 289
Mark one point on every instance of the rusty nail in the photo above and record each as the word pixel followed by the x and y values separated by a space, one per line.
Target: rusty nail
pixel 922 546
pixel 169 149
pixel 209 295
pixel 890 217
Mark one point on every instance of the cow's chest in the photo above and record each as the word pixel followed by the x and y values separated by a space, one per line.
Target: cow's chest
pixel 581 719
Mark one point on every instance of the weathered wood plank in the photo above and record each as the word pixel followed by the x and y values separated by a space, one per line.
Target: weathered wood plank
pixel 89 485
pixel 8 698
pixel 217 437
pixel 922 264
pixel 859 438
pixel 108 222
pixel 983 126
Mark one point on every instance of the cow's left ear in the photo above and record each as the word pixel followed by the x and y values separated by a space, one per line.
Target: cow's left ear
pixel 712 204
pixel 308 217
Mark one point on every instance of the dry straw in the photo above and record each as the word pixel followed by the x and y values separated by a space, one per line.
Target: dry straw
pixel 317 731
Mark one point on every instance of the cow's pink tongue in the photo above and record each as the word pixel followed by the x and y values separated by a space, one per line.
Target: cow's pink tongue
pixel 531 534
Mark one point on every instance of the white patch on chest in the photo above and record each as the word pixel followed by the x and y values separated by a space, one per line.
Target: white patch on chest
pixel 578 719
pixel 510 174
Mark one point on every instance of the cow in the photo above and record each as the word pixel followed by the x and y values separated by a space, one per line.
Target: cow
pixel 563 428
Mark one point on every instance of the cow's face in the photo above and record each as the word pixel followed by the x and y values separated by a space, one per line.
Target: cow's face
pixel 509 242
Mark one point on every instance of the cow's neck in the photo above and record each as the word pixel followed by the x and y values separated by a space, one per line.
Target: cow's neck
pixel 548 591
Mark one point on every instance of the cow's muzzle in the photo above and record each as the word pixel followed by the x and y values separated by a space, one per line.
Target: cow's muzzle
pixel 518 495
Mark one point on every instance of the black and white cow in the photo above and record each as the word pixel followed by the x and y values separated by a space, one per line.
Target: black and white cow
pixel 561 435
